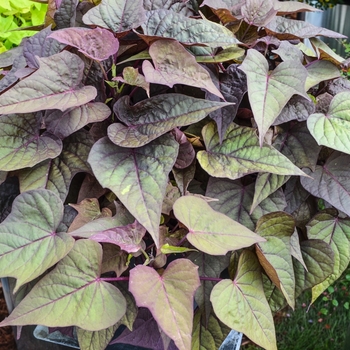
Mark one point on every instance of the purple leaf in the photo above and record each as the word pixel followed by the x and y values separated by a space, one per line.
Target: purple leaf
pixel 55 85
pixel 65 15
pixel 169 297
pixel 298 108
pixel 169 24
pixel 40 45
pixel 186 151
pixel 119 16
pixel 180 69
pixel 63 124
pixel 289 29
pixel 258 12
pixel 97 44
pixel 153 117
pixel 145 333
pixel 127 237
pixel 57 174
pixel 138 176
pixel 233 86
pixel 179 6
pixel 331 181
pixel 11 76
pixel 22 144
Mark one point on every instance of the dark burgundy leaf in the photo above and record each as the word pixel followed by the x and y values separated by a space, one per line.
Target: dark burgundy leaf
pixel 66 14
pixel 11 77
pixel 233 86
pixel 40 45
pixel 298 108
pixel 186 151
pixel 145 333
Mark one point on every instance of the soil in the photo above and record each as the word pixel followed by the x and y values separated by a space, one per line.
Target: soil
pixel 7 339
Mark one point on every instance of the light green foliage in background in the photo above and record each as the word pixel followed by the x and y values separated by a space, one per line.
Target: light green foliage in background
pixel 16 14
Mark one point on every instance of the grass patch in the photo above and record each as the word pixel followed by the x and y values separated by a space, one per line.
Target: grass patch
pixel 323 327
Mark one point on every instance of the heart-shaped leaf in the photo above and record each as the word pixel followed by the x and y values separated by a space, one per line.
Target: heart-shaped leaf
pixel 268 91
pixel 75 282
pixel 97 44
pixel 132 77
pixel 57 174
pixel 235 200
pixel 119 16
pixel 274 254
pixel 210 231
pixel 331 181
pixel 88 210
pixel 265 185
pixel 169 24
pixel 63 124
pixel 318 71
pixel 22 144
pixel 230 159
pixel 40 45
pixel 187 153
pixel 233 86
pixel 169 297
pixel 11 76
pixel 259 12
pixel 336 232
pixel 319 260
pixel 97 340
pixel 333 129
pixel 289 29
pixel 298 108
pixel 29 242
pixel 137 176
pixel 180 69
pixel 55 85
pixel 241 303
pixel 153 117
pixel 127 237
pixel 66 12
pixel 145 333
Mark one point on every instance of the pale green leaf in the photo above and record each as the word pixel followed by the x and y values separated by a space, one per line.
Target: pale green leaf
pixel 336 232
pixel 333 129
pixel 319 259
pixel 240 154
pixel 29 244
pixel 212 232
pixel 274 254
pixel 170 249
pixel 319 71
pixel 242 305
pixel 72 294
pixel 268 91
pixel 137 176
pixel 169 297
pixel 55 85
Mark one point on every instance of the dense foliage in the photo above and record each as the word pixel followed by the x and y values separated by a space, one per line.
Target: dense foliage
pixel 19 19
pixel 169 151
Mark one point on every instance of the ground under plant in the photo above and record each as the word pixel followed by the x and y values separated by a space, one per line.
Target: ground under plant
pixel 182 169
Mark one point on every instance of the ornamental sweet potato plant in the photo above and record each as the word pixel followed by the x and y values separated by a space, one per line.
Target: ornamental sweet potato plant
pixel 183 170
